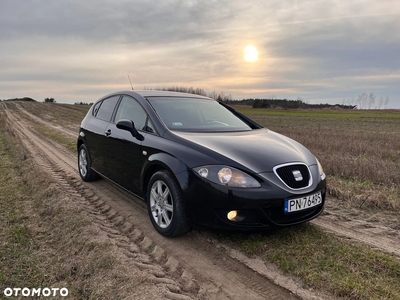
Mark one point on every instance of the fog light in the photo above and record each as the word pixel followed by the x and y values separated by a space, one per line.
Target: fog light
pixel 232 215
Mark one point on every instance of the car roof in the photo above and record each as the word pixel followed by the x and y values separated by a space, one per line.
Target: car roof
pixel 153 93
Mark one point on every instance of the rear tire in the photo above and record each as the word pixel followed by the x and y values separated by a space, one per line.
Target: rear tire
pixel 85 165
pixel 165 205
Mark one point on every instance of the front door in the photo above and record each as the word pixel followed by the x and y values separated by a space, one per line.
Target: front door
pixel 124 156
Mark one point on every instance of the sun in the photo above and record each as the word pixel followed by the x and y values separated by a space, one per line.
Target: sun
pixel 250 54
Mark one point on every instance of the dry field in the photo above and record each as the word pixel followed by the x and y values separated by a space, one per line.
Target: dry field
pixel 359 152
pixel 350 252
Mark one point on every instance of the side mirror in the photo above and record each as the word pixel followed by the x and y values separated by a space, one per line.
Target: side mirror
pixel 128 125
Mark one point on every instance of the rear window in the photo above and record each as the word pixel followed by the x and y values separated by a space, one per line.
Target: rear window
pixel 96 108
pixel 107 108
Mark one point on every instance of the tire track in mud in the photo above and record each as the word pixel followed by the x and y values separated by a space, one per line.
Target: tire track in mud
pixel 196 270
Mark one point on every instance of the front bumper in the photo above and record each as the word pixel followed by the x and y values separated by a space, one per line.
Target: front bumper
pixel 208 204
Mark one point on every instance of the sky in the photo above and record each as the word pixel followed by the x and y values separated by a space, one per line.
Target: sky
pixel 318 51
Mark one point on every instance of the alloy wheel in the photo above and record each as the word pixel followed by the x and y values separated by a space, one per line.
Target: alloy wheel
pixel 83 163
pixel 161 204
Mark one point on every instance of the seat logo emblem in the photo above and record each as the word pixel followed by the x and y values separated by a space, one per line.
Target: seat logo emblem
pixel 297 175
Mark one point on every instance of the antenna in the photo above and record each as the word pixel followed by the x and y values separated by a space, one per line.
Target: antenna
pixel 130 82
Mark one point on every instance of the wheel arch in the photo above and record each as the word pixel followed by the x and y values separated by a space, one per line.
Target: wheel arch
pixel 91 174
pixel 79 143
pixel 164 162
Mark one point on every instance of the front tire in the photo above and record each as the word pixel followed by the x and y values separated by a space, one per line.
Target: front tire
pixel 85 165
pixel 165 205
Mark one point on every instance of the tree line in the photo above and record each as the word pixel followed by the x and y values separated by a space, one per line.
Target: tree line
pixel 285 104
pixel 363 101
pixel 368 101
pixel 83 103
pixel 220 96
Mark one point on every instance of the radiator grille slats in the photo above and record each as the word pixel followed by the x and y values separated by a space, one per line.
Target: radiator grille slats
pixel 287 174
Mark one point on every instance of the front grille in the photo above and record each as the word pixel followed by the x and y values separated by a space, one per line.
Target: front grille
pixel 289 173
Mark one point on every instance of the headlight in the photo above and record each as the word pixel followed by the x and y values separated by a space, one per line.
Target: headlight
pixel 228 176
pixel 321 171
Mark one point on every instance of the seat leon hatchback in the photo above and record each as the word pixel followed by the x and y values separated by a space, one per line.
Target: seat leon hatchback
pixel 195 160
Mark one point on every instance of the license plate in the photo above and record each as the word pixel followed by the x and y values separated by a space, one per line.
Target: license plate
pixel 292 205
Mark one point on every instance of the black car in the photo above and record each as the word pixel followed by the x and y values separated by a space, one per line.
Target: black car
pixel 195 160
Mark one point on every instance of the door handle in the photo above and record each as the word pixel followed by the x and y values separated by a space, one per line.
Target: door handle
pixel 107 132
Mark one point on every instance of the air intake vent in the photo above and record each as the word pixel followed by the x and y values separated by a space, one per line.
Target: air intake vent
pixel 295 176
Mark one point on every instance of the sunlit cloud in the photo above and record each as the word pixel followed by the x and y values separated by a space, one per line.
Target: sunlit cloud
pixel 80 50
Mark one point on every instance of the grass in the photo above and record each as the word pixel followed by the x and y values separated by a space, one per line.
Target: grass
pixel 324 113
pixel 61 114
pixel 53 134
pixel 17 265
pixel 325 262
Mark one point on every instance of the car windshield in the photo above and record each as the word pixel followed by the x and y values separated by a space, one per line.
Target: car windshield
pixel 194 114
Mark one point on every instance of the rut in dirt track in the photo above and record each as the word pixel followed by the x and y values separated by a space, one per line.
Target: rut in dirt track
pixel 188 267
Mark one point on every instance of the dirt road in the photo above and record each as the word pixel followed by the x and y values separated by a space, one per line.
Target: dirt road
pixel 194 266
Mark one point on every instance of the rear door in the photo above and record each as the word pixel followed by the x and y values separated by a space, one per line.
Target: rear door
pixel 96 136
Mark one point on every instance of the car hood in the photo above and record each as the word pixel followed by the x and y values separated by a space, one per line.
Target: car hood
pixel 258 150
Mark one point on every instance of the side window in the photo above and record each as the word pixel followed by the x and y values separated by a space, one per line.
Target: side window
pixel 149 126
pixel 96 108
pixel 130 109
pixel 107 108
